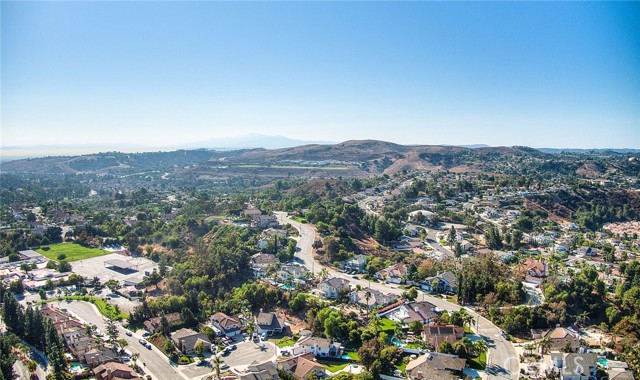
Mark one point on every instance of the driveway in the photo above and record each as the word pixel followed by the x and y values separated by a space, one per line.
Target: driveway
pixel 501 355
pixel 248 352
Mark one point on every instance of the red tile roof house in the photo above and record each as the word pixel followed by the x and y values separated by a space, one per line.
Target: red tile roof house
pixel 535 271
pixel 114 371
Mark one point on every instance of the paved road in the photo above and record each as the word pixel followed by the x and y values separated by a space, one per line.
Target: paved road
pixel 501 356
pixel 247 352
pixel 157 364
pixel 364 202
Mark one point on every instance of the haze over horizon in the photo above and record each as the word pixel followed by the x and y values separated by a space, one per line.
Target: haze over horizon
pixel 563 75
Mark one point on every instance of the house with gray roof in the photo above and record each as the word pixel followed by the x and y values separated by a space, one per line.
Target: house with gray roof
pixel 269 323
pixel 571 366
pixel 334 287
pixel 187 339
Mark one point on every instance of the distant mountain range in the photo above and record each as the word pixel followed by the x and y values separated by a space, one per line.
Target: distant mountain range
pixel 354 158
pixel 578 150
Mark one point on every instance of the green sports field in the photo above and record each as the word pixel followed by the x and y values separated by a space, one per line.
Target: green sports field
pixel 73 252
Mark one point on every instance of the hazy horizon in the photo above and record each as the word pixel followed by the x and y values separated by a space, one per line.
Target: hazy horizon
pixel 538 74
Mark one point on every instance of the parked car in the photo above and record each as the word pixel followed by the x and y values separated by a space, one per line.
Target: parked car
pixel 128 333
pixel 148 345
pixel 142 341
pixel 224 366
pixel 234 347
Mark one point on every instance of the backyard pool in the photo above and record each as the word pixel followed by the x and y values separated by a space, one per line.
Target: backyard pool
pixel 287 287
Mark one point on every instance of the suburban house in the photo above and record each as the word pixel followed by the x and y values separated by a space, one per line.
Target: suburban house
pixel 153 324
pixel 292 271
pixel 620 374
pixel 187 339
pixel 356 263
pixel 256 371
pixel 405 313
pixel 434 335
pixel 435 366
pixel 98 356
pixel 229 326
pixel 445 282
pixel 320 347
pixel 260 262
pixel 561 338
pixel 302 367
pixel 371 298
pixel 334 287
pixel 269 323
pixel 396 274
pixel 574 366
pixel 114 371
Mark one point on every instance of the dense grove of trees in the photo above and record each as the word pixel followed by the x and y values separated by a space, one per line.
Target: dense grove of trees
pixel 487 277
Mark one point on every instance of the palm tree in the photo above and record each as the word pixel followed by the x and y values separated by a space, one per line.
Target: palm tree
pixel 216 361
pixel 584 316
pixel 324 273
pixel 367 297
pixel 466 318
pixel 480 347
pixel 545 344
pixel 464 345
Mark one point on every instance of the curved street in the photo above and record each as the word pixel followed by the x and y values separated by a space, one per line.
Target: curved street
pixel 501 357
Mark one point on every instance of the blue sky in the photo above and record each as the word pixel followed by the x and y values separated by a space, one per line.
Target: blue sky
pixel 542 74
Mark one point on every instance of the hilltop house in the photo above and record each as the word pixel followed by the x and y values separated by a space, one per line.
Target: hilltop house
pixel 269 323
pixel 334 287
pixel 356 263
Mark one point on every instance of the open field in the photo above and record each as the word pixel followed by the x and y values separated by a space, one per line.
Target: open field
pixel 73 252
pixel 105 309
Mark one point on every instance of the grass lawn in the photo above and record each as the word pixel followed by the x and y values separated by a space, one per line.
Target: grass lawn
pixel 353 355
pixel 73 252
pixel 479 362
pixel 284 342
pixel 299 219
pixel 332 366
pixel 105 309
pixel 388 326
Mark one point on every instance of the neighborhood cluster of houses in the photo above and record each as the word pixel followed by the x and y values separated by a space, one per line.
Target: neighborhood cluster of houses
pixel 82 344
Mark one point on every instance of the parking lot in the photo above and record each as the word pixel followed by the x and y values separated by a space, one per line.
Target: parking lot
pixel 97 267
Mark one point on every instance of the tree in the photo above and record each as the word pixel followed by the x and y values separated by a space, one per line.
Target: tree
pixel 112 332
pixel 415 327
pixel 480 347
pixel 451 238
pixel 199 348
pixel 545 344
pixel 411 294
pixel 122 343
